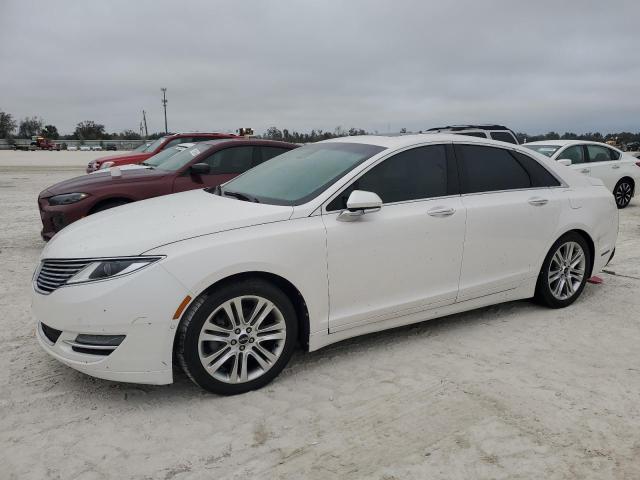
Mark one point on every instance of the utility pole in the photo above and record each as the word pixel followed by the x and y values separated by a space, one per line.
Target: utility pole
pixel 144 120
pixel 164 104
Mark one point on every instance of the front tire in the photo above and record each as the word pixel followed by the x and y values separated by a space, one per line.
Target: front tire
pixel 564 272
pixel 623 192
pixel 238 338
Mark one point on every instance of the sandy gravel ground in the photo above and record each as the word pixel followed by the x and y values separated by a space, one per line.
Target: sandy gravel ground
pixel 511 391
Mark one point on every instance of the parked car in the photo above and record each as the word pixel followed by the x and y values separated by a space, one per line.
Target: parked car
pixel 141 153
pixel 85 148
pixel 150 162
pixel 111 147
pixel 96 148
pixel 325 242
pixel 618 170
pixel 72 148
pixel 205 165
pixel 495 132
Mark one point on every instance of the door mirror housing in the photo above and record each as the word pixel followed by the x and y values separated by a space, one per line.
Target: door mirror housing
pixel 359 203
pixel 199 169
pixel 564 161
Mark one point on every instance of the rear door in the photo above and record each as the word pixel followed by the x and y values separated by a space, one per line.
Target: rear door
pixel 224 165
pixel 604 163
pixel 512 212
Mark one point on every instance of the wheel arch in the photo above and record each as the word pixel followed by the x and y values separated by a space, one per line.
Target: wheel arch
pixel 105 200
pixel 587 238
pixel 289 289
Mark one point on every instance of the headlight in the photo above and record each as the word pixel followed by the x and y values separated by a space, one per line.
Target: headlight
pixel 109 268
pixel 67 198
pixel 106 165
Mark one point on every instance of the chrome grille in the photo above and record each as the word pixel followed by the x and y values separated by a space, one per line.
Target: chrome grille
pixel 54 273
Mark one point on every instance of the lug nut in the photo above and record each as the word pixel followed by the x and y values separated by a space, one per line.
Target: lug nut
pixel 237 330
pixel 233 342
pixel 251 340
pixel 248 329
pixel 241 347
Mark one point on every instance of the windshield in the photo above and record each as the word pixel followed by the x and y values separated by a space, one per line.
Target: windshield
pixel 547 150
pixel 153 146
pixel 180 159
pixel 159 158
pixel 297 176
pixel 141 148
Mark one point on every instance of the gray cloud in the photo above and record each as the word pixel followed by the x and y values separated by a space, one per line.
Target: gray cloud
pixel 535 66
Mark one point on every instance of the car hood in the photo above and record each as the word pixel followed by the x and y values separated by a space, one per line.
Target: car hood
pixel 123 156
pixel 135 228
pixel 85 183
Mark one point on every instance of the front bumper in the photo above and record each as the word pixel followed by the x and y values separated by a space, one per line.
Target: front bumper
pixel 139 306
pixel 55 218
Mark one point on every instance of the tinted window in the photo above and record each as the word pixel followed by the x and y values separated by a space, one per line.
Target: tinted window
pixel 574 153
pixel 614 155
pixel 539 176
pixel 503 137
pixel 488 169
pixel 269 152
pixel 599 154
pixel 410 175
pixel 472 134
pixel 231 160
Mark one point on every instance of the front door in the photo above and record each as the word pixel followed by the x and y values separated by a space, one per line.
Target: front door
pixel 404 258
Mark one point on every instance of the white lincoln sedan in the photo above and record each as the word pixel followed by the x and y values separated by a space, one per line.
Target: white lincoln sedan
pixel 618 170
pixel 329 241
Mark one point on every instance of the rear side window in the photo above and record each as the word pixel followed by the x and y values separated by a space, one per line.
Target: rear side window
pixel 539 176
pixel 504 137
pixel 472 134
pixel 598 153
pixel 489 169
pixel 231 160
pixel 267 153
pixel 414 174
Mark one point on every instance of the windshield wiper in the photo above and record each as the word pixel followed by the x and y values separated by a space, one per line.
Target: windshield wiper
pixel 240 196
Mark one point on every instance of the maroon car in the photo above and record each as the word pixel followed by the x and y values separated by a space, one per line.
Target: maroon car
pixel 145 151
pixel 206 164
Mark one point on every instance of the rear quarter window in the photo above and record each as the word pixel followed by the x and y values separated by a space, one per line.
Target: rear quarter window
pixel 504 137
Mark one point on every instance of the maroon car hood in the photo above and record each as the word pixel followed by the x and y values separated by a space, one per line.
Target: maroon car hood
pixel 86 183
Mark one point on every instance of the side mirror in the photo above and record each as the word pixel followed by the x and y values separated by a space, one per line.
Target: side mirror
pixel 359 203
pixel 564 161
pixel 199 169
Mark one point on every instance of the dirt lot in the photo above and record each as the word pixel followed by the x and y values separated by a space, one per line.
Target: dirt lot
pixel 512 391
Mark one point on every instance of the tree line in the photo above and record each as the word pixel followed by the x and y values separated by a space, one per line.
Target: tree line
pixel 91 130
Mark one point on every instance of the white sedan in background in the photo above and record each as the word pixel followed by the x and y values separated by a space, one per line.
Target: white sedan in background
pixel 619 171
pixel 328 241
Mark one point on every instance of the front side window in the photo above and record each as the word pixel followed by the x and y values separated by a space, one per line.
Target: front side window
pixel 599 154
pixel 489 169
pixel 231 160
pixel 301 174
pixel 574 153
pixel 410 175
pixel 504 137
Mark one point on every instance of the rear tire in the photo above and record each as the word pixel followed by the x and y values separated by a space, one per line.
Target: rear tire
pixel 238 338
pixel 564 271
pixel 623 192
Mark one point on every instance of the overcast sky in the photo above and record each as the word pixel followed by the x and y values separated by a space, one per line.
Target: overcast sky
pixel 379 65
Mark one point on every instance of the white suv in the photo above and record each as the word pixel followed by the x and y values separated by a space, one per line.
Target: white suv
pixel 494 132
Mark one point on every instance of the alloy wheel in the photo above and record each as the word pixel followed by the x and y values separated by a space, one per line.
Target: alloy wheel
pixel 623 194
pixel 242 339
pixel 566 270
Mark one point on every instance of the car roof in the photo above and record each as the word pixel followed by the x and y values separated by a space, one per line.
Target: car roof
pixel 414 139
pixel 482 126
pixel 247 141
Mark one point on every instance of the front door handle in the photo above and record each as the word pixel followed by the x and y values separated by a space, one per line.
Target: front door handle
pixel 538 201
pixel 441 212
pixel 585 170
pixel 615 166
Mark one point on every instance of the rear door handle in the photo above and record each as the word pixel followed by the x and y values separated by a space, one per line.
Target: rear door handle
pixel 538 201
pixel 585 170
pixel 441 212
pixel 615 166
